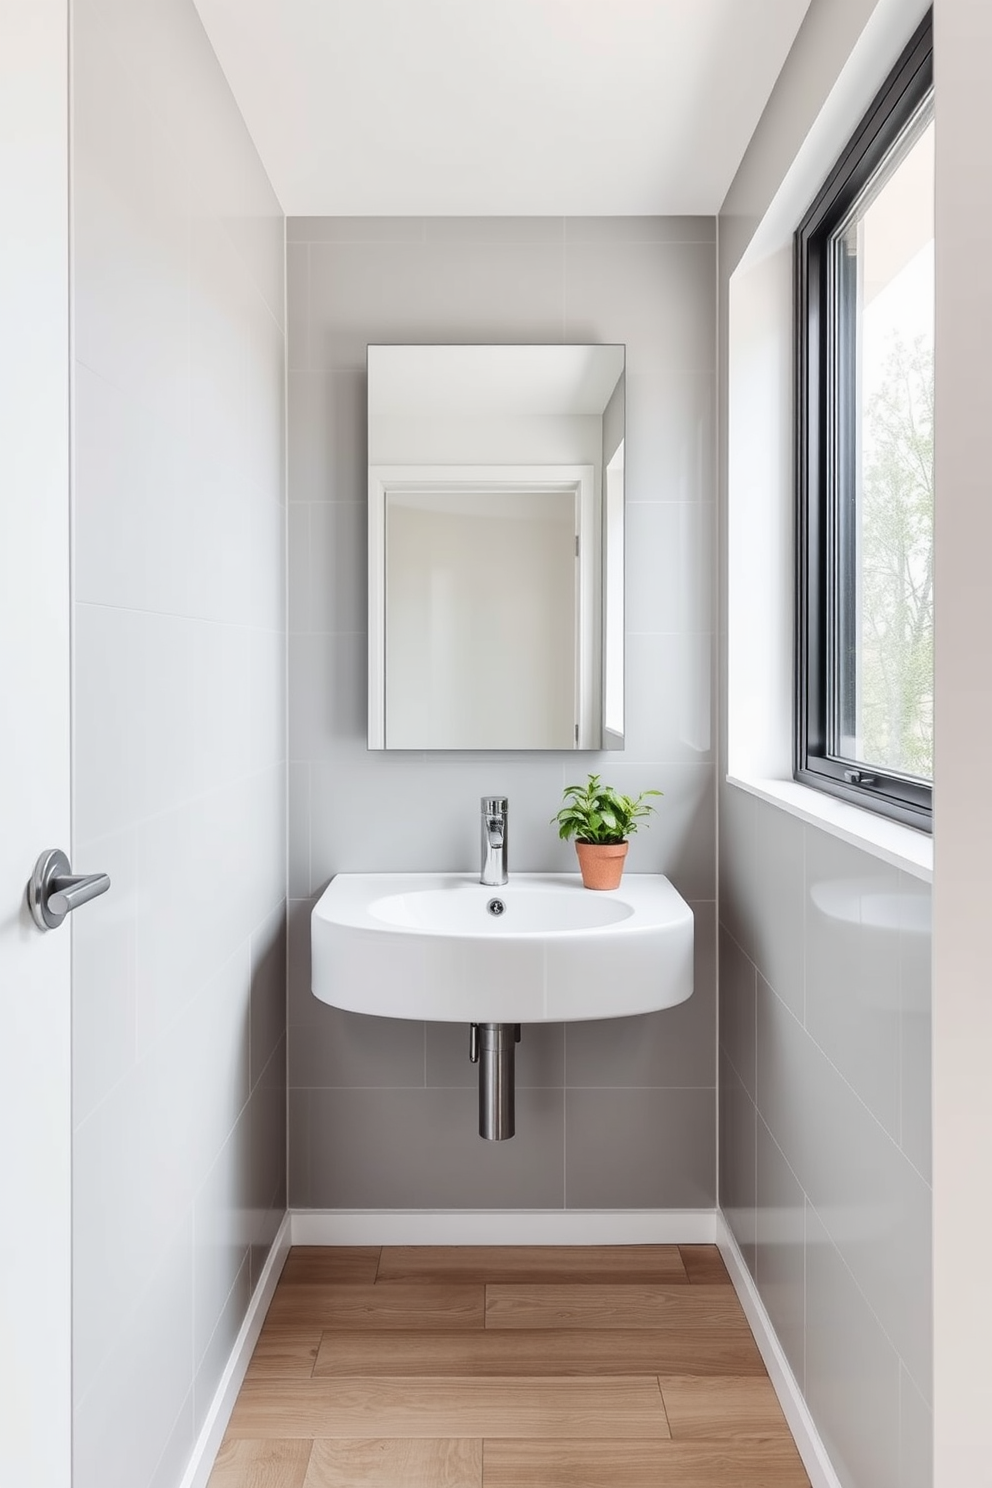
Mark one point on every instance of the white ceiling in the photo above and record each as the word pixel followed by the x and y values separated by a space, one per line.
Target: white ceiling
pixel 501 107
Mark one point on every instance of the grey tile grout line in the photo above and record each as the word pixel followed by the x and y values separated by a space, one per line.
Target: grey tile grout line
pixel 805 1283
pixel 821 1051
pixel 861 1293
pixel 843 1078
pixel 809 1205
pixel 564 1133
pixel 577 1089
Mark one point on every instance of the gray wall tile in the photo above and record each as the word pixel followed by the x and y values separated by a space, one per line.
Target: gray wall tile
pixel 220 1344
pixel 298 299
pixel 737 815
pixel 438 292
pixel 328 681
pixel 738 1160
pixel 298 565
pixel 655 297
pixel 505 280
pixel 539 1058
pixel 327 436
pixel 422 1149
pixel 268 991
pixel 220 1237
pixel 670 1047
pixel 697 579
pixel 407 831
pixel 915 954
pixel 339 567
pixel 915 1436
pixel 178 1449
pixel 298 1168
pixel 640 229
pixel 640 1149
pixel 355 229
pixel 674 718
pixel 299 830
pixel 329 1046
pixel 738 1011
pixel 782 1054
pixel 269 1223
pixel 853 914
pixel 780 1248
pixel 869 1197
pixel 852 1371
pixel 267 1117
pixel 654 565
pixel 495 229
pixel 776 902
pixel 671 457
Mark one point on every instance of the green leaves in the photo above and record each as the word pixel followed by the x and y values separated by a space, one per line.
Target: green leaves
pixel 597 813
pixel 895 644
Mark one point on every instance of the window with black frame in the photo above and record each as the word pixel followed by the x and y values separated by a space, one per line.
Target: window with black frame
pixel 865 319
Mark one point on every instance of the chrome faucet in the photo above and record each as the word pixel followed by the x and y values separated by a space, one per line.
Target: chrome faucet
pixel 494 858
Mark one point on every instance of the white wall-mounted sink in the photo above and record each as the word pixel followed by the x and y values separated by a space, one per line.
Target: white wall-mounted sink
pixel 426 946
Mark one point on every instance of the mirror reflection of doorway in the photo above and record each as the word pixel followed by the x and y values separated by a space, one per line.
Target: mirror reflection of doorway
pixel 480 620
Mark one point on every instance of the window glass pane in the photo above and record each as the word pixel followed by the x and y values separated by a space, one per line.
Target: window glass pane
pixel 883 620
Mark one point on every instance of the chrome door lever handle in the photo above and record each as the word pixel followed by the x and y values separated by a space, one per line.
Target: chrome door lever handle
pixel 70 890
pixel 54 890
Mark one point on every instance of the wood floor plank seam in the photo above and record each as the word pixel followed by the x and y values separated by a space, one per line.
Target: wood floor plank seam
pixel 619 1407
pixel 363 1305
pixel 608 1306
pixel 563 1463
pixel 704 1264
pixel 663 1405
pixel 415 1367
pixel 374 1462
pixel 539 1351
pixel 659 1264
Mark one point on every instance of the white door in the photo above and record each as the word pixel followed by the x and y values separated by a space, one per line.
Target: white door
pixel 35 1116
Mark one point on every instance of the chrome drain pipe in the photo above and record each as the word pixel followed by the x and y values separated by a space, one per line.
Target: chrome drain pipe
pixel 492 1046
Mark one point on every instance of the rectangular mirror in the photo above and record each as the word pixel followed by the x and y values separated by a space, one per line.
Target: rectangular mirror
pixel 496 547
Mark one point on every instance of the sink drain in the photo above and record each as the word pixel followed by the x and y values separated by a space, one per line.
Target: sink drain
pixel 496 907
pixel 492 1047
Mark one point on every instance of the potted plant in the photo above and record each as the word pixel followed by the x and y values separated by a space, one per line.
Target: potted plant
pixel 601 820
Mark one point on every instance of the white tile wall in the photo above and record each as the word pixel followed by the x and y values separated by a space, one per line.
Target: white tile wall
pixel 179 744
pixel 614 1097
pixel 841 1073
pixel 852 1371
pixel 824 953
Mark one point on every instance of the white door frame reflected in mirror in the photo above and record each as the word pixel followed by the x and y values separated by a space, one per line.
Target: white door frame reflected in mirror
pixel 613 599
pixel 487 631
pixel 495 577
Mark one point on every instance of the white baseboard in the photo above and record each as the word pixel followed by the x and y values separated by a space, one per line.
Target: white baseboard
pixel 212 1433
pixel 503 1227
pixel 811 1449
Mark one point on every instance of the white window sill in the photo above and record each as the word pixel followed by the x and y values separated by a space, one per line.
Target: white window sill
pixel 901 846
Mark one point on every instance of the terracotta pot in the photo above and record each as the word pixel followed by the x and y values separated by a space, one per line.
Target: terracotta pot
pixel 601 863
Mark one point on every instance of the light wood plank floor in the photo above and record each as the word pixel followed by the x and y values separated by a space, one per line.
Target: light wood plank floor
pixel 507 1367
